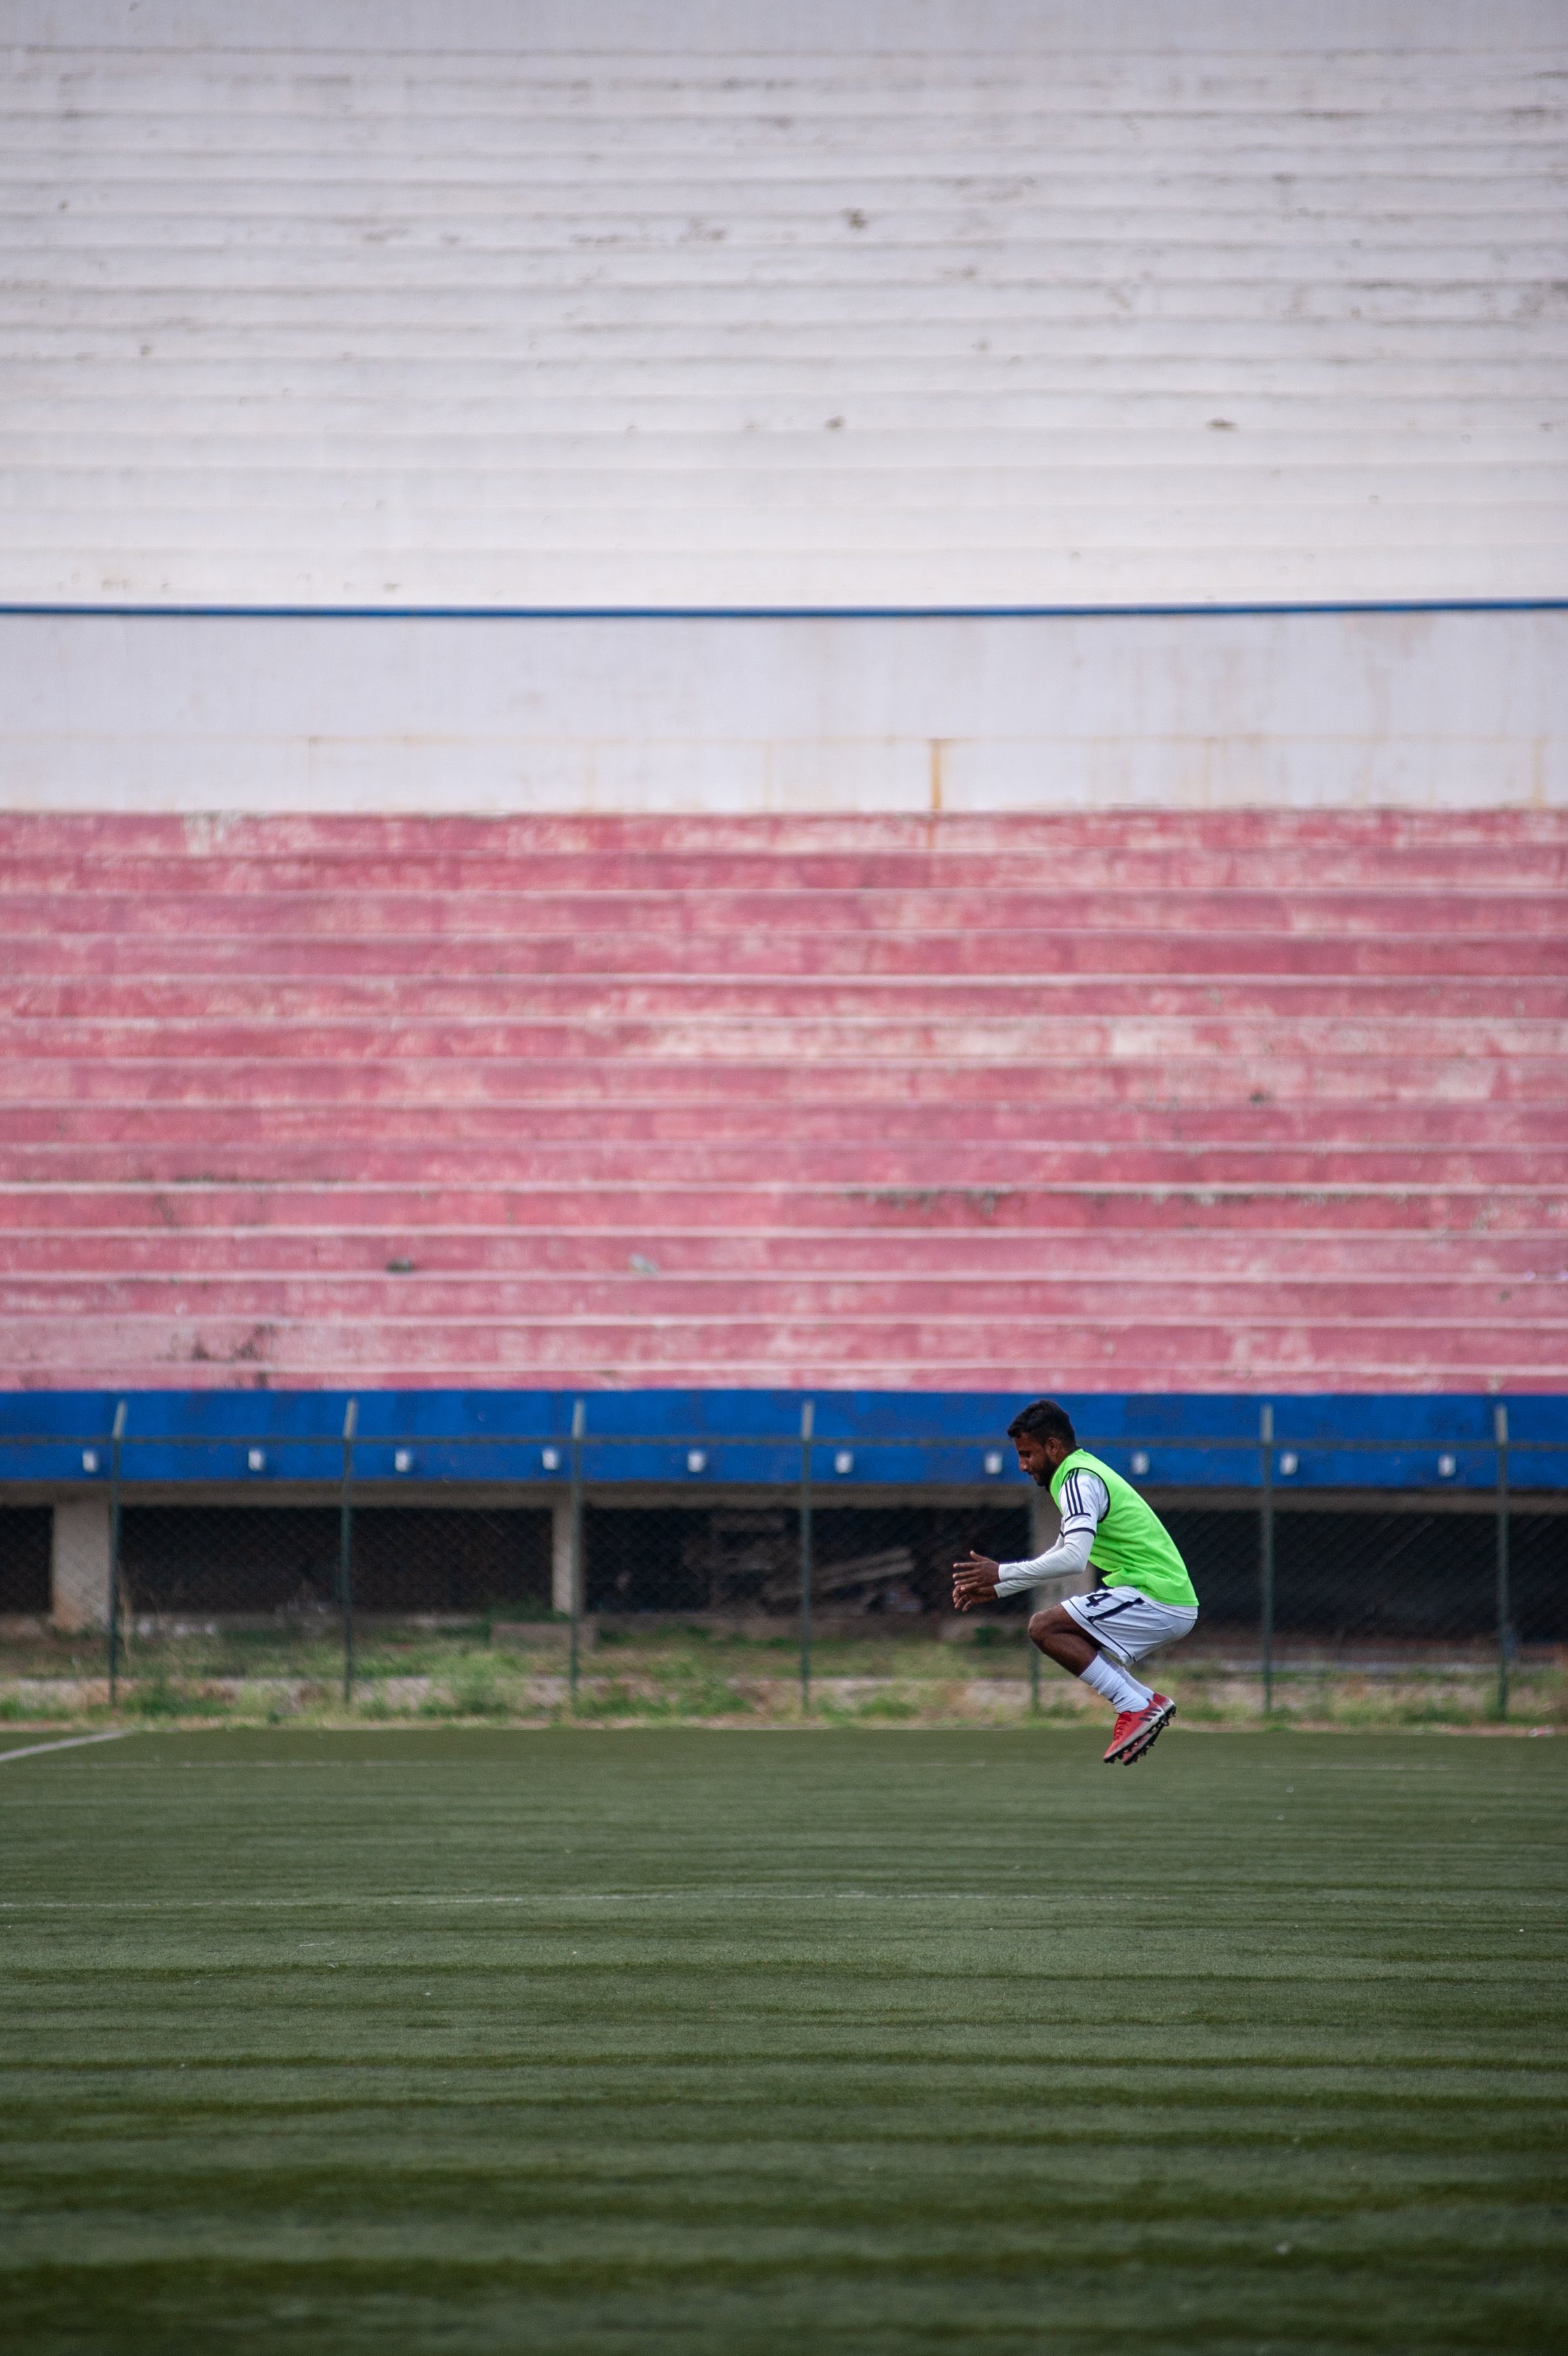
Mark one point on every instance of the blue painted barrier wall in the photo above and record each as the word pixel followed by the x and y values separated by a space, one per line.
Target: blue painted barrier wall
pixel 713 1437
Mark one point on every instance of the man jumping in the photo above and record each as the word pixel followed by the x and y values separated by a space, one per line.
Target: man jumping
pixel 1144 1598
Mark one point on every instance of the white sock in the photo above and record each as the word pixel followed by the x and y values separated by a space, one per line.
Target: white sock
pixel 1121 1689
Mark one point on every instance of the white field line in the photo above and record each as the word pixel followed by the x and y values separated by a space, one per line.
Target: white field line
pixel 71 1743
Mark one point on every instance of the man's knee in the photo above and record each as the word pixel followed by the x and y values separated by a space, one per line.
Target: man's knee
pixel 1061 1639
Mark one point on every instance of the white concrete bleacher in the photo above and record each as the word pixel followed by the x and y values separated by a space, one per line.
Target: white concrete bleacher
pixel 732 305
pixel 1159 1002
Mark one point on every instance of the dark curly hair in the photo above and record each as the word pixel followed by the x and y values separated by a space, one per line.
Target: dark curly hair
pixel 1043 1419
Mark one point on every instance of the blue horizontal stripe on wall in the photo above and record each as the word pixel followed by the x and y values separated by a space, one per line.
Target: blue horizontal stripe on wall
pixel 708 1437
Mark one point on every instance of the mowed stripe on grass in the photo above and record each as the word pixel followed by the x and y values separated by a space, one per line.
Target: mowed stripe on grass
pixel 573 2040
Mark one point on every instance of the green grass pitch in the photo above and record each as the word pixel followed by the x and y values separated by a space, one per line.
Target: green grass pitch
pixel 571 2041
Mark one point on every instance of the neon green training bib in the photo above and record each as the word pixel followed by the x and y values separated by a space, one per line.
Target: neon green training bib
pixel 1131 1546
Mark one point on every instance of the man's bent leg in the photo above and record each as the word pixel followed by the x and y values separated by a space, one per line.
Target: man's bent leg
pixel 1060 1638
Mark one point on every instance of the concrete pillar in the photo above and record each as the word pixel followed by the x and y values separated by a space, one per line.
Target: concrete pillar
pixel 561 1555
pixel 78 1564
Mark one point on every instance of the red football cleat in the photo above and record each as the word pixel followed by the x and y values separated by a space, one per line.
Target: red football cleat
pixel 1137 1731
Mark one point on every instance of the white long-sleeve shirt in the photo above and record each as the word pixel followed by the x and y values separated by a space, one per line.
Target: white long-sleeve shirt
pixel 1085 1502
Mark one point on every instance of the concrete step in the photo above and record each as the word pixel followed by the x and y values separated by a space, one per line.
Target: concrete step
pixel 925 1354
pixel 721 909
pixel 348 838
pixel 197 1106
pixel 45 956
pixel 1515 1262
pixel 1030 862
pixel 266 1159
pixel 211 1201
pixel 280 1004
pixel 994 1303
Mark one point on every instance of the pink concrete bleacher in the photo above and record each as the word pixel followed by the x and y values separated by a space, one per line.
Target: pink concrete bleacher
pixel 1165 1101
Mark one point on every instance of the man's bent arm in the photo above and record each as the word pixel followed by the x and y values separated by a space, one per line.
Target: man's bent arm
pixel 1085 1502
pixel 1066 1559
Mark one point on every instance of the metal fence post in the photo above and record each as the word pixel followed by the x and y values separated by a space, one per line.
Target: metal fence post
pixel 579 1424
pixel 1505 1605
pixel 1266 1546
pixel 808 1427
pixel 115 1437
pixel 346 1545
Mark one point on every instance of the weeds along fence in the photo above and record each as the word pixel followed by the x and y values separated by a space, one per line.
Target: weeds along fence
pixel 1307 1540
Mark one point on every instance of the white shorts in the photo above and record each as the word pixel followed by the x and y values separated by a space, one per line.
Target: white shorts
pixel 1126 1623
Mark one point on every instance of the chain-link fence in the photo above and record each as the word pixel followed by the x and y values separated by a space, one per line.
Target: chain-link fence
pixel 890 1561
pixel 26 1535
pixel 276 1561
pixel 1346 1577
pixel 585 1546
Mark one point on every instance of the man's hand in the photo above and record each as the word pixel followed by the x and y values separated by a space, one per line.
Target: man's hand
pixel 975 1582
